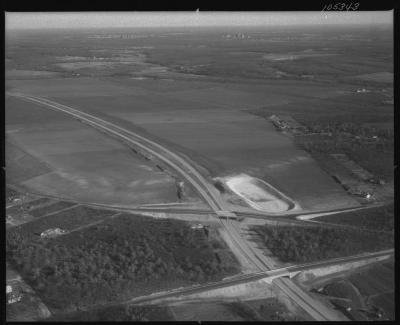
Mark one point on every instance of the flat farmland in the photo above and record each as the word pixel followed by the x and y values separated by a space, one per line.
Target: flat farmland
pixel 68 220
pixel 210 124
pixel 22 166
pixel 205 109
pixel 49 209
pixel 78 162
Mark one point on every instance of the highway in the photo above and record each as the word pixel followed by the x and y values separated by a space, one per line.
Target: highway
pixel 208 192
pixel 283 273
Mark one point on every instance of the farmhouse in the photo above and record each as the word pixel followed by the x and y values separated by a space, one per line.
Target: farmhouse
pixel 52 232
pixel 286 122
pixel 13 294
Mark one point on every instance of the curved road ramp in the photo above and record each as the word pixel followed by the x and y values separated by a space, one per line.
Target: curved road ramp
pixel 259 194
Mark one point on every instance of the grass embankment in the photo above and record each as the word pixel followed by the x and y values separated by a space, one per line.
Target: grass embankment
pixel 306 244
pixel 118 313
pixel 115 260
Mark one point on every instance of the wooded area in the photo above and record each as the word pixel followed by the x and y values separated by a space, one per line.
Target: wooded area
pixel 117 259
pixel 307 244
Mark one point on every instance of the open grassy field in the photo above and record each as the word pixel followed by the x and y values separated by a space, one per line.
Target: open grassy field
pixel 118 313
pixel 22 166
pixel 32 204
pixel 269 309
pixel 49 153
pixel 69 219
pixel 49 209
pixel 240 135
pixel 211 118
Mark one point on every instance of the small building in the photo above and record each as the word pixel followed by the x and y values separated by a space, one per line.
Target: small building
pixel 13 295
pixel 197 226
pixel 9 219
pixel 284 122
pixel 363 194
pixel 363 90
pixel 52 232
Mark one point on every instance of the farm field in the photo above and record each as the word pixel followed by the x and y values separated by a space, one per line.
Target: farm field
pixel 55 155
pixel 32 204
pixel 240 135
pixel 69 220
pixel 143 83
pixel 49 209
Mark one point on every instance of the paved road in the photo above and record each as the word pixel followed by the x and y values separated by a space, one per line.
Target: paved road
pixel 266 275
pixel 208 192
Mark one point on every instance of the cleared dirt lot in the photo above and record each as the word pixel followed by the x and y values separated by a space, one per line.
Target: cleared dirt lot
pixel 77 162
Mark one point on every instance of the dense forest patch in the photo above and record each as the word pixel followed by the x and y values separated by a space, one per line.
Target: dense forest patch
pixel 307 244
pixel 377 218
pixel 117 259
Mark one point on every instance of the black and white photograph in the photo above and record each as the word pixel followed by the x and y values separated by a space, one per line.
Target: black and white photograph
pixel 199 165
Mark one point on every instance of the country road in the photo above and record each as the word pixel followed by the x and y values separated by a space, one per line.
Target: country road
pixel 316 309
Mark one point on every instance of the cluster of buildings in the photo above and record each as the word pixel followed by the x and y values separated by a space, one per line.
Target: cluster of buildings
pixel 356 169
pixel 52 232
pixel 287 123
pixel 13 294
pixel 236 36
pixel 360 185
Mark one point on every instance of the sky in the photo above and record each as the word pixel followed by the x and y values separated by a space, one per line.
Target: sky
pixel 38 20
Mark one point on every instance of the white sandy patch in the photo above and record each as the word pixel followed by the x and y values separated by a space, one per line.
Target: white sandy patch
pixel 255 193
pixel 82 182
pixel 155 181
pixel 288 162
pixel 103 181
pixel 134 183
pixel 145 167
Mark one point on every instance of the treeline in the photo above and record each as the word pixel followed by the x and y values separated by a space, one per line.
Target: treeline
pixel 374 156
pixel 306 244
pixel 353 128
pixel 114 260
pixel 378 218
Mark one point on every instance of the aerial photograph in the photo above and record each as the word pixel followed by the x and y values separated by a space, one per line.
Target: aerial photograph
pixel 199 166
